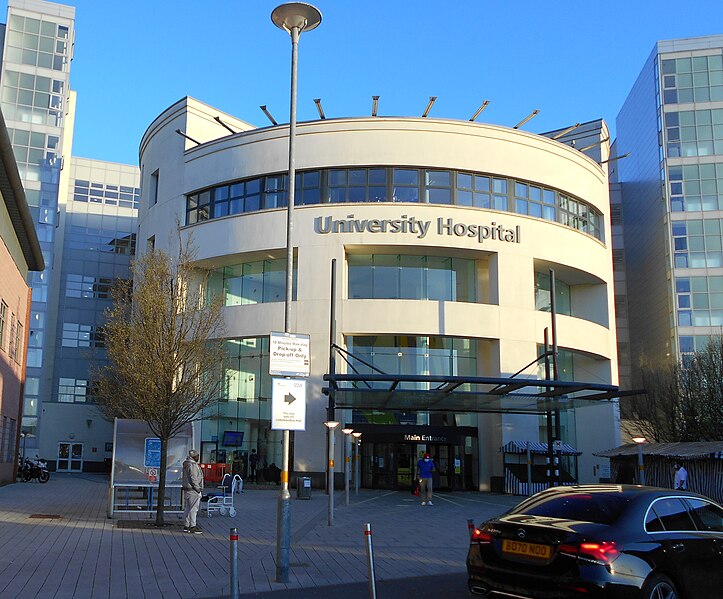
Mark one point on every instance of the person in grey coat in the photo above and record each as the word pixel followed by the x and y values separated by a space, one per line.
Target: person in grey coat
pixel 192 487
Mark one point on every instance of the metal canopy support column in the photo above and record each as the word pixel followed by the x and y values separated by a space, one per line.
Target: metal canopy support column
pixel 555 373
pixel 548 414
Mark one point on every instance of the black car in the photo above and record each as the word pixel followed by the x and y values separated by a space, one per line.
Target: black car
pixel 617 541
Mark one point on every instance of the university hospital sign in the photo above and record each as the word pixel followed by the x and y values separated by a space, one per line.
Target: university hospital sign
pixel 409 225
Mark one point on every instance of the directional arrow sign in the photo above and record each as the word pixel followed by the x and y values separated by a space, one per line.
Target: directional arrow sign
pixel 288 404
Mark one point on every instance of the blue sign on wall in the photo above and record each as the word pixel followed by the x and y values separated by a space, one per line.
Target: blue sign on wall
pixel 152 454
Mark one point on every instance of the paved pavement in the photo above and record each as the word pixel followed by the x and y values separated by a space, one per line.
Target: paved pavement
pixel 83 554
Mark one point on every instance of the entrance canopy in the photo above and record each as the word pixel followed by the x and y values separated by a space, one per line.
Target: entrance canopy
pixel 429 393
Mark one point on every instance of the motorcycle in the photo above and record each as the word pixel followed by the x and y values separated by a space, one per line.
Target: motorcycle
pixel 30 469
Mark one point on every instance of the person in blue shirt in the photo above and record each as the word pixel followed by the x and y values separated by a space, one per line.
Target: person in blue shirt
pixel 425 467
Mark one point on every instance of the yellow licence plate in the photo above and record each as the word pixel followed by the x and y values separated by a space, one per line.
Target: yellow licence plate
pixel 527 549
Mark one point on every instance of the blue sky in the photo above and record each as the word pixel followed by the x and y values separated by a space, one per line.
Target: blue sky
pixel 572 60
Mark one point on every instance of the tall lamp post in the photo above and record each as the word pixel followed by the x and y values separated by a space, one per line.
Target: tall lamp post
pixel 641 464
pixel 331 425
pixel 357 442
pixel 293 17
pixel 347 459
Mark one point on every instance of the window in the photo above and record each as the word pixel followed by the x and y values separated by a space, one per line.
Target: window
pixel 670 515
pixel 394 276
pixel 12 337
pixel 581 507
pixel 86 287
pixel 154 188
pixel 73 390
pixel 258 282
pixel 3 312
pixel 542 295
pixel 375 184
pixel 707 515
pixel 19 338
pixel 82 335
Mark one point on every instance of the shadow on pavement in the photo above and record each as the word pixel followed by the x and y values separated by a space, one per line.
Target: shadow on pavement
pixel 443 586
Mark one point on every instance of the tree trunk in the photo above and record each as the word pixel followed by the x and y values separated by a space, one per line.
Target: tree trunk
pixel 162 482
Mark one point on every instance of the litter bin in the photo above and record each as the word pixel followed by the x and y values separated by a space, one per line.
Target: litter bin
pixel 303 487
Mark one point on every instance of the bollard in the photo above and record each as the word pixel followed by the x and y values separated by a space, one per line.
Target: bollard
pixel 470 528
pixel 370 562
pixel 233 565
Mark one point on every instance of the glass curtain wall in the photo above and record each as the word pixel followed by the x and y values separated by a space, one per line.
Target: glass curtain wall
pixel 244 406
pixel 407 354
pixel 391 276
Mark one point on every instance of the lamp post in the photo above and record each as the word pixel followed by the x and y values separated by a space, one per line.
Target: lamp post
pixel 357 442
pixel 641 464
pixel 293 17
pixel 331 425
pixel 347 458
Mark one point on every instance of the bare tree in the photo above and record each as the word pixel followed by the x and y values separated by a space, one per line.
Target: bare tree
pixel 684 401
pixel 701 401
pixel 164 351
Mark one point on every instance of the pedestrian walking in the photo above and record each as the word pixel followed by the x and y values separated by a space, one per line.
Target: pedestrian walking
pixel 192 487
pixel 425 467
pixel 681 478
pixel 253 464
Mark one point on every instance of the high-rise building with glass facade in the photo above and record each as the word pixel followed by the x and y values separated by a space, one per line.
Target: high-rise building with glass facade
pixel 672 197
pixel 34 93
pixel 84 213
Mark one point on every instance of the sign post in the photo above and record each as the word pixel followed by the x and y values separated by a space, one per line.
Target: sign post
pixel 289 356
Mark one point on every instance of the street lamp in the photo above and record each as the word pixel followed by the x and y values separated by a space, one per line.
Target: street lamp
pixel 331 425
pixel 293 17
pixel 641 464
pixel 347 458
pixel 357 442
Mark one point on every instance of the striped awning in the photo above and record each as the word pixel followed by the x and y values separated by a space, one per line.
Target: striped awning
pixel 537 448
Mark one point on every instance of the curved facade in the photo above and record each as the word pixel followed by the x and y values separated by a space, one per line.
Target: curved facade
pixel 443 232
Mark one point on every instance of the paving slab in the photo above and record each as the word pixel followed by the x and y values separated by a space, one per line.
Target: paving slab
pixel 85 555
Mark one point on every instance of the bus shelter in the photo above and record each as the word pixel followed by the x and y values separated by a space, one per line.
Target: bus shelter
pixel 136 464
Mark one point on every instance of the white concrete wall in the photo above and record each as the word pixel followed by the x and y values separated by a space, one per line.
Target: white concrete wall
pixel 510 318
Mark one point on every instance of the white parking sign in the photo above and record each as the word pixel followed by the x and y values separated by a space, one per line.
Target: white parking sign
pixel 288 405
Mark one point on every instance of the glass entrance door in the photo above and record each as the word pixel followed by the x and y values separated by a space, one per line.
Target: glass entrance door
pixel 70 457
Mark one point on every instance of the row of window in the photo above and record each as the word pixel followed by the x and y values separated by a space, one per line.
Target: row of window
pixel 82 335
pixel 364 185
pixel 257 282
pixel 7 439
pixel 698 243
pixel 37 43
pixel 369 276
pixel 102 193
pixel 97 240
pixel 246 365
pixel 12 333
pixel 37 157
pixel 694 132
pixel 697 79
pixel 689 344
pixel 383 276
pixel 699 301
pixel 74 390
pixel 696 187
pixel 88 287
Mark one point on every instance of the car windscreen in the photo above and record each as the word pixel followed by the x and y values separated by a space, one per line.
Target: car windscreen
pixel 598 508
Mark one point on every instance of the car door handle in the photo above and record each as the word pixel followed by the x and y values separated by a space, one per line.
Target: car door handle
pixel 679 547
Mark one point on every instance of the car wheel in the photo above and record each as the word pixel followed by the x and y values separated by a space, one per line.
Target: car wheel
pixel 660 587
